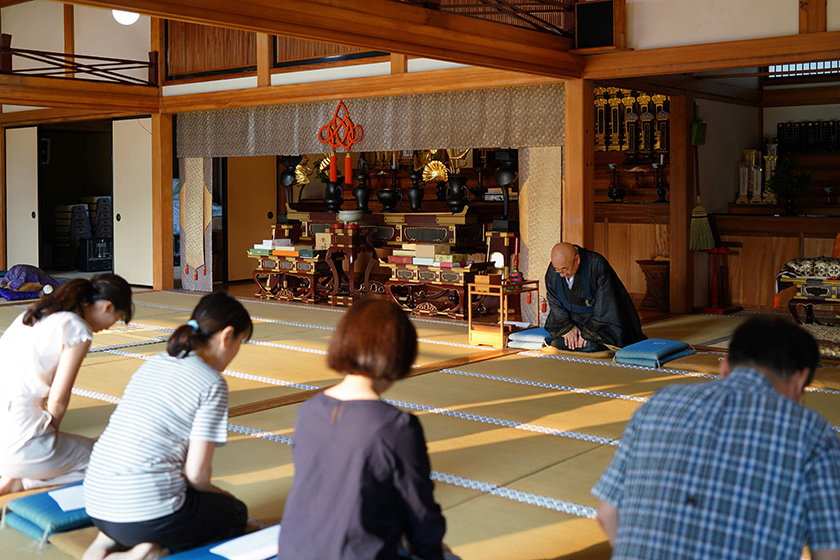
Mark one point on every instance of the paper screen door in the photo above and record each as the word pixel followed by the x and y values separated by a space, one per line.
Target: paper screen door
pixel 22 196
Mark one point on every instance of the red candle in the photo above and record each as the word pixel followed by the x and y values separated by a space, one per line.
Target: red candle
pixel 333 170
pixel 348 169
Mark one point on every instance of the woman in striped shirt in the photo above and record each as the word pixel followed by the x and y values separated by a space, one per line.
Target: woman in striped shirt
pixel 148 488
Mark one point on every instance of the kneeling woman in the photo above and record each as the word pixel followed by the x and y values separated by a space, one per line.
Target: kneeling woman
pixel 40 356
pixel 361 480
pixel 147 488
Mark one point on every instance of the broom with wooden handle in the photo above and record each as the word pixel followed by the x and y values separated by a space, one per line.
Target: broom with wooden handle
pixel 700 236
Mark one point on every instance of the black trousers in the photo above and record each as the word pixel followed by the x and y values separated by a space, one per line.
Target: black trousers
pixel 206 517
pixel 560 343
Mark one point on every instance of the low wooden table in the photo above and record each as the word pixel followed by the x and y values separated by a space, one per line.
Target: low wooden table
pixel 292 278
pixel 811 292
pixel 349 242
pixel 430 290
pixel 493 335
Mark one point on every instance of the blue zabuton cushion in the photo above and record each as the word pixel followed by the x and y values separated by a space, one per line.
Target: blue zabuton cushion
pixel 537 334
pixel 42 511
pixel 653 352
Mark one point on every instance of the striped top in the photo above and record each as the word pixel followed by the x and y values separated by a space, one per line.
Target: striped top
pixel 136 469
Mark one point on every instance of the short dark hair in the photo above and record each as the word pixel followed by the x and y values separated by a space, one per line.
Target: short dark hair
pixel 376 339
pixel 775 344
pixel 213 313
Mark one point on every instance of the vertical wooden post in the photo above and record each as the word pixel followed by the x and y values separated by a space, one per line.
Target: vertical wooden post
pixel 264 55
pixel 162 238
pixel 578 219
pixel 158 44
pixel 69 36
pixel 813 17
pixel 682 200
pixel 399 63
pixel 4 235
pixel 5 54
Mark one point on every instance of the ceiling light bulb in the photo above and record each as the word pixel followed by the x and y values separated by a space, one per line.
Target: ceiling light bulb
pixel 125 18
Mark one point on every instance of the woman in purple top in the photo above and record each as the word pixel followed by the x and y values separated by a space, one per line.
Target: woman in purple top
pixel 362 485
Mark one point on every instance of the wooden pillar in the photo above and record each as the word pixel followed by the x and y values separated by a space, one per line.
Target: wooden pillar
pixel 578 192
pixel 399 63
pixel 69 36
pixel 158 44
pixel 683 199
pixel 162 251
pixel 3 233
pixel 813 17
pixel 264 56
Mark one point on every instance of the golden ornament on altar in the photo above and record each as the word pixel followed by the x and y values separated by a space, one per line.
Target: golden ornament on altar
pixel 435 172
pixel 423 158
pixel 455 159
pixel 302 174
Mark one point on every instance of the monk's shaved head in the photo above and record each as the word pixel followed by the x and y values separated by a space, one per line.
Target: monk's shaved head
pixel 565 259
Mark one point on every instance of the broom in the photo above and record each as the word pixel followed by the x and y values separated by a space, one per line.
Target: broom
pixel 700 236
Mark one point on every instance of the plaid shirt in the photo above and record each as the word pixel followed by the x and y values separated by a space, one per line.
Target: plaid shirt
pixel 725 469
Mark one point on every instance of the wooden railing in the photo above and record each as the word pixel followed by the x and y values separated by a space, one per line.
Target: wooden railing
pixel 62 65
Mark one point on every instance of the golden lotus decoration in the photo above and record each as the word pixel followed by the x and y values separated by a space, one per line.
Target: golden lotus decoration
pixel 424 157
pixel 435 172
pixel 302 174
pixel 456 159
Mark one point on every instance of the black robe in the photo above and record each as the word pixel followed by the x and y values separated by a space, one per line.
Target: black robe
pixel 610 318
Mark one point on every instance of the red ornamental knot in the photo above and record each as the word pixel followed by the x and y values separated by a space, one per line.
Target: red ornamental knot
pixel 340 131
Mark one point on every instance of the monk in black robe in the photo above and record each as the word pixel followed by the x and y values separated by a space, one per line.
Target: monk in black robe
pixel 595 313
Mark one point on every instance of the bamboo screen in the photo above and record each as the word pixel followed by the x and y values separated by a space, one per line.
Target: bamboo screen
pixel 198 49
pixel 292 49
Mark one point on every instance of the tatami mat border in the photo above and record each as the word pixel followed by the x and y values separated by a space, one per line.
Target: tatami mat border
pixel 504 423
pixel 447 478
pixel 304 325
pixel 309 306
pixel 413 406
pixel 543 385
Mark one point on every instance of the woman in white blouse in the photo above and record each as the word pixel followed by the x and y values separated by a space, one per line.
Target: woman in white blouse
pixel 40 356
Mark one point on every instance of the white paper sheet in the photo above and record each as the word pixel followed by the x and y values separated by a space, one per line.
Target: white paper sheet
pixel 254 546
pixel 69 499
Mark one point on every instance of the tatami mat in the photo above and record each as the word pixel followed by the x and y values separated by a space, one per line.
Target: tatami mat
pixel 515 442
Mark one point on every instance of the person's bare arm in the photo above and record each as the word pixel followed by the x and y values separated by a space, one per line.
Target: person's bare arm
pixel 827 554
pixel 65 376
pixel 198 468
pixel 608 518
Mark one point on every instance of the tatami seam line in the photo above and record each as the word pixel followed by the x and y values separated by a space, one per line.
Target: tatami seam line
pixel 447 478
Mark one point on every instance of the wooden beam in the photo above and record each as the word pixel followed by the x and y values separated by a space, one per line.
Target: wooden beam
pixel 69 35
pixel 786 49
pixel 162 242
pixel 801 96
pixel 380 25
pixel 265 51
pixel 399 63
pixel 80 94
pixel 682 200
pixel 701 88
pixel 433 81
pixel 47 116
pixel 813 16
pixel 578 189
pixel 7 3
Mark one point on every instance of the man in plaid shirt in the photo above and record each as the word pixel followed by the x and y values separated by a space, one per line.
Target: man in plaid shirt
pixel 732 468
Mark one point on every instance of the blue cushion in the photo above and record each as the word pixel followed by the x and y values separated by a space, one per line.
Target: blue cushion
pixel 28 528
pixel 653 352
pixel 537 334
pixel 243 543
pixel 42 511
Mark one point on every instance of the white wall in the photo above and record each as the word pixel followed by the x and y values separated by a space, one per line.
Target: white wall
pixel 730 129
pixel 99 34
pixel 775 115
pixel 669 23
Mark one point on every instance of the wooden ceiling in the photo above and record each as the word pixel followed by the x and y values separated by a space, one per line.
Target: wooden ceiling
pixel 384 25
